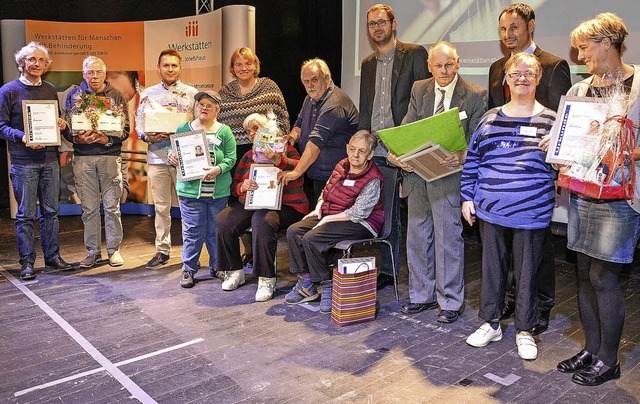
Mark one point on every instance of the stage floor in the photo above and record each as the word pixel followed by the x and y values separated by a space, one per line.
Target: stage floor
pixel 109 335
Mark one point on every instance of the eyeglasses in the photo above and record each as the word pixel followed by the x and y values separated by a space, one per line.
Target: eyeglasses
pixel 380 23
pixel 96 73
pixel 205 107
pixel 527 75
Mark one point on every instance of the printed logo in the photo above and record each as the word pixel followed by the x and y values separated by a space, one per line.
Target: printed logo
pixel 191 29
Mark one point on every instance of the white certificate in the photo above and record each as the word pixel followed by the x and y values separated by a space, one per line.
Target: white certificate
pixel 269 192
pixel 41 122
pixel 577 128
pixel 193 154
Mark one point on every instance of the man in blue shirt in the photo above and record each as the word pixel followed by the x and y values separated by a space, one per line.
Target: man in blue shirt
pixel 326 122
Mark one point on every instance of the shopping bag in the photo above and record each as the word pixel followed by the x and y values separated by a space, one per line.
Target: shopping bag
pixel 353 297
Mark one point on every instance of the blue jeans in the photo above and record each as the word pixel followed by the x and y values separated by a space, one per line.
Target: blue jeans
pixel 32 183
pixel 198 228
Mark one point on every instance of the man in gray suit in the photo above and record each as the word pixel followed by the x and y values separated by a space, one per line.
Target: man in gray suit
pixel 386 78
pixel 436 269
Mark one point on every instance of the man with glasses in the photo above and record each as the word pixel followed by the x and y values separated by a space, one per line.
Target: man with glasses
pixel 387 76
pixel 96 164
pixel 517 23
pixel 35 169
pixel 173 94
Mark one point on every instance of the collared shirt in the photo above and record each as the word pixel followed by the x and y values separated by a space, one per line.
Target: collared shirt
pixel 177 93
pixel 24 81
pixel 381 114
pixel 328 123
pixel 447 95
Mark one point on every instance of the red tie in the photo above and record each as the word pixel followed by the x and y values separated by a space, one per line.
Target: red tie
pixel 507 92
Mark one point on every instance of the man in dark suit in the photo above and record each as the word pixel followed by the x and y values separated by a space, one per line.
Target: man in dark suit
pixel 436 270
pixel 386 78
pixel 517 23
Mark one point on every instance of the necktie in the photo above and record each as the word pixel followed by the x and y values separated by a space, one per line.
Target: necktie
pixel 507 92
pixel 440 107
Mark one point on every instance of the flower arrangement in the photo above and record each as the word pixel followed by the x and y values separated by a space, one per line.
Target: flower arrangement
pixel 96 113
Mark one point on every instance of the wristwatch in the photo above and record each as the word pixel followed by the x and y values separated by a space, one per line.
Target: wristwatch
pixel 109 143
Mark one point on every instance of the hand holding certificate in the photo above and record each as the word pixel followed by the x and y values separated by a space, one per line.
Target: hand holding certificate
pixel 268 194
pixel 41 122
pixel 193 158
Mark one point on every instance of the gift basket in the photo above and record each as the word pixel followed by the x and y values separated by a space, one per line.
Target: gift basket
pixel 604 167
pixel 165 114
pixel 92 112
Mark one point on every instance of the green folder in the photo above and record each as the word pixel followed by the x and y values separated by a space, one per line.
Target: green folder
pixel 444 129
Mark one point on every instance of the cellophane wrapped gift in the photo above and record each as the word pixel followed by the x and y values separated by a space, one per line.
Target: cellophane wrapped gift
pixel 91 112
pixel 270 136
pixel 165 114
pixel 606 169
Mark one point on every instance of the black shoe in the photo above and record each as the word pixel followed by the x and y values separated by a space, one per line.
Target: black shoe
pixel 543 323
pixel 27 273
pixel 415 308
pixel 508 310
pixel 383 281
pixel 186 281
pixel 448 316
pixel 59 263
pixel 157 260
pixel 596 374
pixel 576 363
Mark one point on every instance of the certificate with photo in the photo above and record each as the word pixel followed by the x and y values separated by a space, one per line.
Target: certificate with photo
pixel 41 122
pixel 193 156
pixel 578 128
pixel 269 192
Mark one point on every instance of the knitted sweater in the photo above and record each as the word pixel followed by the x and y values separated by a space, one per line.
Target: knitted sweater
pixel 505 174
pixel 292 194
pixel 12 123
pixel 263 98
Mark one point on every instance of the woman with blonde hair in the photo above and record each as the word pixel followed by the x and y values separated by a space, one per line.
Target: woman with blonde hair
pixel 604 233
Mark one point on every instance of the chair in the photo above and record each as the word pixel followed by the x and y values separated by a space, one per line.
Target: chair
pixel 389 199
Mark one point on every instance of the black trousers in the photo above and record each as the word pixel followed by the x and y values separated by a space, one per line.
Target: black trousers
pixel 311 250
pixel 499 245
pixel 234 220
pixel 545 279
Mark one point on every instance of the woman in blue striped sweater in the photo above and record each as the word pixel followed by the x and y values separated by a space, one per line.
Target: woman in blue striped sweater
pixel 508 186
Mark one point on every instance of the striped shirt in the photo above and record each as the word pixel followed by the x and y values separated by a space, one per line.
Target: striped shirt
pixel 505 174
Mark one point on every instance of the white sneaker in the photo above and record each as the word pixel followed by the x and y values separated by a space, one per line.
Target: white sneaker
pixel 484 335
pixel 233 279
pixel 266 287
pixel 115 259
pixel 527 348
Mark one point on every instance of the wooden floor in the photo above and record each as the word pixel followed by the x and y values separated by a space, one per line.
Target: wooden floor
pixel 108 335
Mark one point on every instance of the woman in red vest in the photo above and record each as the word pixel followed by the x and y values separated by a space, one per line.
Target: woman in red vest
pixel 349 208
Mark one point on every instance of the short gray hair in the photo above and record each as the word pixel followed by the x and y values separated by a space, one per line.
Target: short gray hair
pixel 368 137
pixel 30 48
pixel 319 64
pixel 93 59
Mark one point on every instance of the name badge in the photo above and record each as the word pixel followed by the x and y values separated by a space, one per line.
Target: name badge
pixel 215 141
pixel 462 115
pixel 349 183
pixel 528 131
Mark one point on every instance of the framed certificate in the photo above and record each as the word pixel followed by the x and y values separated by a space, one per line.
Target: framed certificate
pixel 41 122
pixel 193 154
pixel 269 192
pixel 578 126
